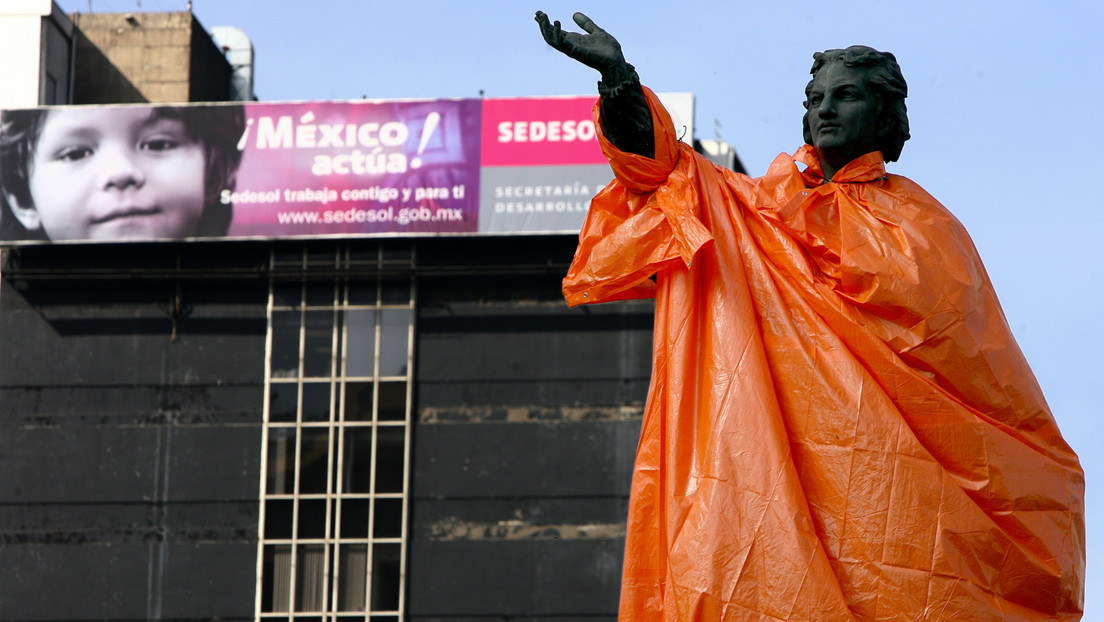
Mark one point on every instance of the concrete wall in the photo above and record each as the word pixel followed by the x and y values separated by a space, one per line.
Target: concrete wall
pixel 211 72
pixel 156 57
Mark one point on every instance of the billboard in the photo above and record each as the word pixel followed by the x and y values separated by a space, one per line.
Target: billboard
pixel 302 169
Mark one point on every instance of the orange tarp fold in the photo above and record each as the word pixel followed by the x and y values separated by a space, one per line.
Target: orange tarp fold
pixel 840 425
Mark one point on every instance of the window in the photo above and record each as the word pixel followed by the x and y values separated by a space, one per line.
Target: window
pixel 336 435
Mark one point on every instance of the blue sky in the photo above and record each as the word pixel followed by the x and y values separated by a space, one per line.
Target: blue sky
pixel 1004 101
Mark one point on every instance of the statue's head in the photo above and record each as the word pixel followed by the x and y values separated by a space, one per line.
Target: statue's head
pixel 855 104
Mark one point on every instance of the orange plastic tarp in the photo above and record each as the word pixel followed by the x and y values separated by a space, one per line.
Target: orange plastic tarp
pixel 840 425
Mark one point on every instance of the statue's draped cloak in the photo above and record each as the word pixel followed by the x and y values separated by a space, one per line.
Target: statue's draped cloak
pixel 840 425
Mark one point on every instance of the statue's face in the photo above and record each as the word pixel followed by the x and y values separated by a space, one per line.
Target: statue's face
pixel 843 114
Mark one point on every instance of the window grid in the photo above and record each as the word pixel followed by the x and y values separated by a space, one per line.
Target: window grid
pixel 308 568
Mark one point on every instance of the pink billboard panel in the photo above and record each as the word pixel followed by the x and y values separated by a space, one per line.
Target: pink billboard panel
pixel 541 164
pixel 546 131
pixel 341 168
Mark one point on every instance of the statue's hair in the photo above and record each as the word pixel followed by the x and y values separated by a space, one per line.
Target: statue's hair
pixel 885 80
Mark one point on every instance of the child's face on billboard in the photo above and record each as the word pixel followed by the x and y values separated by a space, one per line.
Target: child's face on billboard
pixel 116 173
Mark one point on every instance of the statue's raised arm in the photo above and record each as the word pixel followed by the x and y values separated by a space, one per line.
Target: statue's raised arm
pixel 625 118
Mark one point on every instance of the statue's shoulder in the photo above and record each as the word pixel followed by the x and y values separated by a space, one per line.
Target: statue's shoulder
pixel 909 190
pixel 911 202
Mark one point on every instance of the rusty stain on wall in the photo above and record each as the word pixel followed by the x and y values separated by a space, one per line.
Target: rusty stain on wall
pixel 454 529
pixel 529 414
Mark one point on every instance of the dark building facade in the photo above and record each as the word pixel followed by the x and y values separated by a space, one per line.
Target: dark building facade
pixel 386 428
pixel 373 428
pixel 377 428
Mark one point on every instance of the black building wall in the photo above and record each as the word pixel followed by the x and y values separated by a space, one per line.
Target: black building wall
pixel 129 456
pixel 209 71
pixel 528 415
pixel 131 410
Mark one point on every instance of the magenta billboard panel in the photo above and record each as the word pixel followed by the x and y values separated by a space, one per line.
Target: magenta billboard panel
pixel 303 169
pixel 541 164
pixel 330 168
pixel 527 131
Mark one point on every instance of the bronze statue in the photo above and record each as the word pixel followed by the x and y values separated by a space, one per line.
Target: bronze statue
pixel 840 425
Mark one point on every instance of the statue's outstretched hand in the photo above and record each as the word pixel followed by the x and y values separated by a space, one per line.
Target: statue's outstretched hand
pixel 625 116
pixel 595 49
